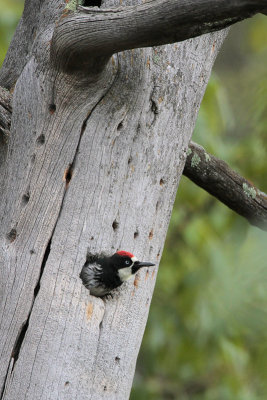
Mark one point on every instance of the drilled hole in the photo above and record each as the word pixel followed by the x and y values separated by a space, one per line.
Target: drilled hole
pixel 117 359
pixel 120 126
pixel 11 236
pixel 161 182
pixel 67 383
pixel 136 234
pixel 151 234
pixel 33 157
pixel 92 238
pixel 104 388
pixel 115 225
pixel 40 140
pixel 52 108
pixel 92 3
pixel 25 198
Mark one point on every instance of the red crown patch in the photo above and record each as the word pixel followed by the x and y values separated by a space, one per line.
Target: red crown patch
pixel 125 253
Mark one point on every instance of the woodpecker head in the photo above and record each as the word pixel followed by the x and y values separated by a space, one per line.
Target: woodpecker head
pixel 101 274
pixel 127 264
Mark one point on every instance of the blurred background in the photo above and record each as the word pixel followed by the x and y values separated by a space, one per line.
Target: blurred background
pixel 206 337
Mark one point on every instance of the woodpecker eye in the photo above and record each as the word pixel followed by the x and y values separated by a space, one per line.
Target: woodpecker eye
pixel 127 262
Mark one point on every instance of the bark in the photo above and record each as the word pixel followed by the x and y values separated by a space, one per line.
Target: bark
pixel 87 150
pixel 218 179
pixel 202 168
pixel 5 121
pixel 5 113
pixel 100 32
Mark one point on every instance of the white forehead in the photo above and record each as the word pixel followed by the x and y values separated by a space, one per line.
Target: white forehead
pixel 134 259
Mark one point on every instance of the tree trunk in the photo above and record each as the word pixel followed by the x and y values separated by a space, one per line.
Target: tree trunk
pixel 94 160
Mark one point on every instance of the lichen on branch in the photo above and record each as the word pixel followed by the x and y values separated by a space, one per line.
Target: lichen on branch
pixel 218 179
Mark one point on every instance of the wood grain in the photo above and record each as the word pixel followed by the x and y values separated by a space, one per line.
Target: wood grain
pixel 121 131
pixel 94 32
pixel 221 181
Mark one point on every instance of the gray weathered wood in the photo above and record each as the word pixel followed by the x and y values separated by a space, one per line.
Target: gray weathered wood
pixel 218 179
pixel 151 23
pixel 86 150
pixel 5 121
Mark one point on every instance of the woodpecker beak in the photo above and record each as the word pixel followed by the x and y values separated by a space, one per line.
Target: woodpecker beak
pixel 143 264
pixel 137 265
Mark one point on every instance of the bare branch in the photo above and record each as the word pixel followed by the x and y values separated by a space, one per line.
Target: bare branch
pixel 218 179
pixel 99 32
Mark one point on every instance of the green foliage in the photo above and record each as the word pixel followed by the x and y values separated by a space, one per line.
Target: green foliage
pixel 11 11
pixel 206 337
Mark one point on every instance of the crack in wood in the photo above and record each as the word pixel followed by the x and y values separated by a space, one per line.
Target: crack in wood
pixel 24 327
pixel 68 175
pixel 7 377
pixel 84 124
pixel 97 347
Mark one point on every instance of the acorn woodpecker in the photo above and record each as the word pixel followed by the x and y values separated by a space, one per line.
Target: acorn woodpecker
pixel 101 274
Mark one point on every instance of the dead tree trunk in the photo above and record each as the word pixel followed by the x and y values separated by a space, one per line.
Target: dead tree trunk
pixel 96 149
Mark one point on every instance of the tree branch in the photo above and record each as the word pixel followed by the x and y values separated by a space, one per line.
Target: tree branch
pixel 218 179
pixel 101 32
